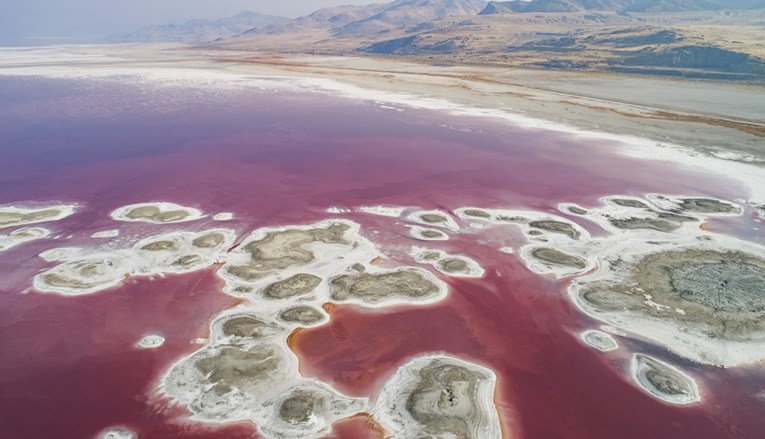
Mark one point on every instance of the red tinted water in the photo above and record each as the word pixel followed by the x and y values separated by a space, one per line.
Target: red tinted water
pixel 68 368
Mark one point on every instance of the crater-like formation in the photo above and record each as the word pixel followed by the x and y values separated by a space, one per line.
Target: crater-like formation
pixel 403 285
pixel 723 290
pixel 703 300
pixel 439 397
pixel 157 213
pixel 599 340
pixel 21 236
pixel 663 381
pixel 13 216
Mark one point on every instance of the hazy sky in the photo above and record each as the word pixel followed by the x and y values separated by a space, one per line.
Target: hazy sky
pixel 27 20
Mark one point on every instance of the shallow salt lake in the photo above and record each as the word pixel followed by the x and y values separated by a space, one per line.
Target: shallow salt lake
pixel 70 367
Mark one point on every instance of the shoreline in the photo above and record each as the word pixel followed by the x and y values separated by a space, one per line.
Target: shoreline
pixel 461 91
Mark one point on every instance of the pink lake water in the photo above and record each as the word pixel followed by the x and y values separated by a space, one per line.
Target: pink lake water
pixel 68 365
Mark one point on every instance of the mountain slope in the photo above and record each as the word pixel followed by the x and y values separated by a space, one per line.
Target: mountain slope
pixel 505 7
pixel 376 18
pixel 201 30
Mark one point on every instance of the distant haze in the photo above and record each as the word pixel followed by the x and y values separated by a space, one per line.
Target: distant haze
pixel 30 22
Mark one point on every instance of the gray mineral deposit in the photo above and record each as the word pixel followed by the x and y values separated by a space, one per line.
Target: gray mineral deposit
pixel 158 213
pixel 721 291
pixel 226 382
pixel 373 288
pixel 599 340
pixel 277 250
pixel 303 315
pixel 556 227
pixel 704 301
pixel 663 381
pixel 707 205
pixel 440 397
pixel 11 216
pixel 245 326
pixel 660 225
pixel 629 202
pixel 557 257
pixel 306 411
pixel 209 240
pixel 296 285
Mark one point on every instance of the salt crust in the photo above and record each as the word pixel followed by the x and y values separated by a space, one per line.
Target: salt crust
pixel 117 433
pixel 151 341
pixel 539 238
pixel 599 340
pixel 21 236
pixel 389 211
pixel 64 210
pixel 690 343
pixel 604 256
pixel 106 234
pixel 331 260
pixel 87 271
pixel 337 210
pixel 223 216
pixel 657 204
pixel 185 383
pixel 59 254
pixel 261 401
pixel 641 364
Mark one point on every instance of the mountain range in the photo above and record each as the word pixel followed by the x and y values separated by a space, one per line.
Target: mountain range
pixel 377 18
pixel 195 31
pixel 713 39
